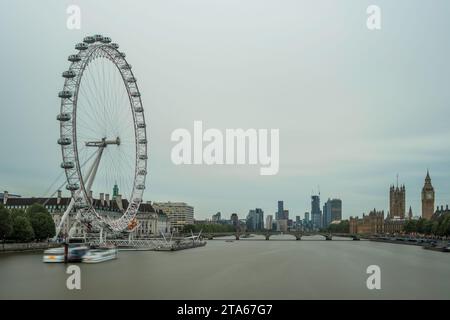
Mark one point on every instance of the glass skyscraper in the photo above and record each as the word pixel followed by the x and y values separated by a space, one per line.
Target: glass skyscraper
pixel 316 213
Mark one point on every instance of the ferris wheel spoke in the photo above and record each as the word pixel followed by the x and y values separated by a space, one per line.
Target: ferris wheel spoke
pixel 124 124
pixel 91 85
pixel 91 131
pixel 116 114
pixel 92 112
pixel 114 165
pixel 112 90
pixel 127 158
pixel 103 92
pixel 110 114
pixel 95 93
pixel 107 95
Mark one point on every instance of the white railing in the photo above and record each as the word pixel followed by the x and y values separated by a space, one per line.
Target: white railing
pixel 142 244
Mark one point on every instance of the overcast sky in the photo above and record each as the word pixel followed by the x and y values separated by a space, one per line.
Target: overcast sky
pixel 354 107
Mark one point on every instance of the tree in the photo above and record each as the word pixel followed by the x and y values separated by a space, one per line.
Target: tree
pixel 43 225
pixel 410 226
pixel 35 208
pixel 41 221
pixel 427 227
pixel 208 228
pixel 22 229
pixel 447 231
pixel 434 227
pixel 17 213
pixel 6 227
pixel 342 227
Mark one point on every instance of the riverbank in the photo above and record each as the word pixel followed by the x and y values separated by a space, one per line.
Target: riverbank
pixel 396 241
pixel 431 244
pixel 27 247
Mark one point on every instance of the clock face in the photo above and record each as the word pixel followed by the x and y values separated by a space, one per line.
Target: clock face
pixel 429 195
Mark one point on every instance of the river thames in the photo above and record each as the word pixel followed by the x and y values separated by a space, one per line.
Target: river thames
pixel 247 269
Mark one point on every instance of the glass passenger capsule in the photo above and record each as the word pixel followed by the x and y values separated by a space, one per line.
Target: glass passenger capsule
pixel 89 39
pixel 72 187
pixel 81 46
pixel 63 116
pixel 74 58
pixel 138 109
pixel 98 37
pixel 65 94
pixel 64 141
pixel 69 74
pixel 67 165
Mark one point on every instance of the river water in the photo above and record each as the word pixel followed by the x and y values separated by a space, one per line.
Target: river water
pixel 247 269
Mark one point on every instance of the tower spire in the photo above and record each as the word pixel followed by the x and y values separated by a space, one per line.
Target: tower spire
pixel 115 190
pixel 427 178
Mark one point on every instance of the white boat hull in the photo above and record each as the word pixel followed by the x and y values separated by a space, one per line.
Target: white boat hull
pixel 96 256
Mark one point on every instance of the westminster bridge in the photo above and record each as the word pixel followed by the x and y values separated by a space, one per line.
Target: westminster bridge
pixel 268 233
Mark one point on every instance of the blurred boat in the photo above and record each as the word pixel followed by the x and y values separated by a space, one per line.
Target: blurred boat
pixel 56 255
pixel 434 246
pixel 100 255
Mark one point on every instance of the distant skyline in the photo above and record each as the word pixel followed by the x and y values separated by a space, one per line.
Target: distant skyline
pixel 354 107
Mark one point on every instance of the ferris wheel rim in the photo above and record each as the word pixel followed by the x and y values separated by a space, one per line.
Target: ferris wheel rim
pixel 89 50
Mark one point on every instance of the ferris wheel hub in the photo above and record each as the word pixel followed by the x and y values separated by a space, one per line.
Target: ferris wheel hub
pixel 103 143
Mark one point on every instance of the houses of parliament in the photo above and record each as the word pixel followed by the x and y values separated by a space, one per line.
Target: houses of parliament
pixel 375 221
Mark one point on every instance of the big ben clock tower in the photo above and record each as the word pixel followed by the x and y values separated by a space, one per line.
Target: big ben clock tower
pixel 427 198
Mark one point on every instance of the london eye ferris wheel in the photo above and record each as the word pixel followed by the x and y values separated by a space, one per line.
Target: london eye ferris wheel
pixel 103 135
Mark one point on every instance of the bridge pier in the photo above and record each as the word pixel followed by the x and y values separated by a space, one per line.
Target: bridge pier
pixel 298 237
pixel 237 236
pixel 267 236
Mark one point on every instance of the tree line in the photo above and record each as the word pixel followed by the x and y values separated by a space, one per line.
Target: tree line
pixel 341 227
pixel 438 226
pixel 33 224
pixel 208 228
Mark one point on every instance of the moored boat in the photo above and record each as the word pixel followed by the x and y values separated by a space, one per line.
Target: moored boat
pixel 54 255
pixel 100 255
pixel 77 253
